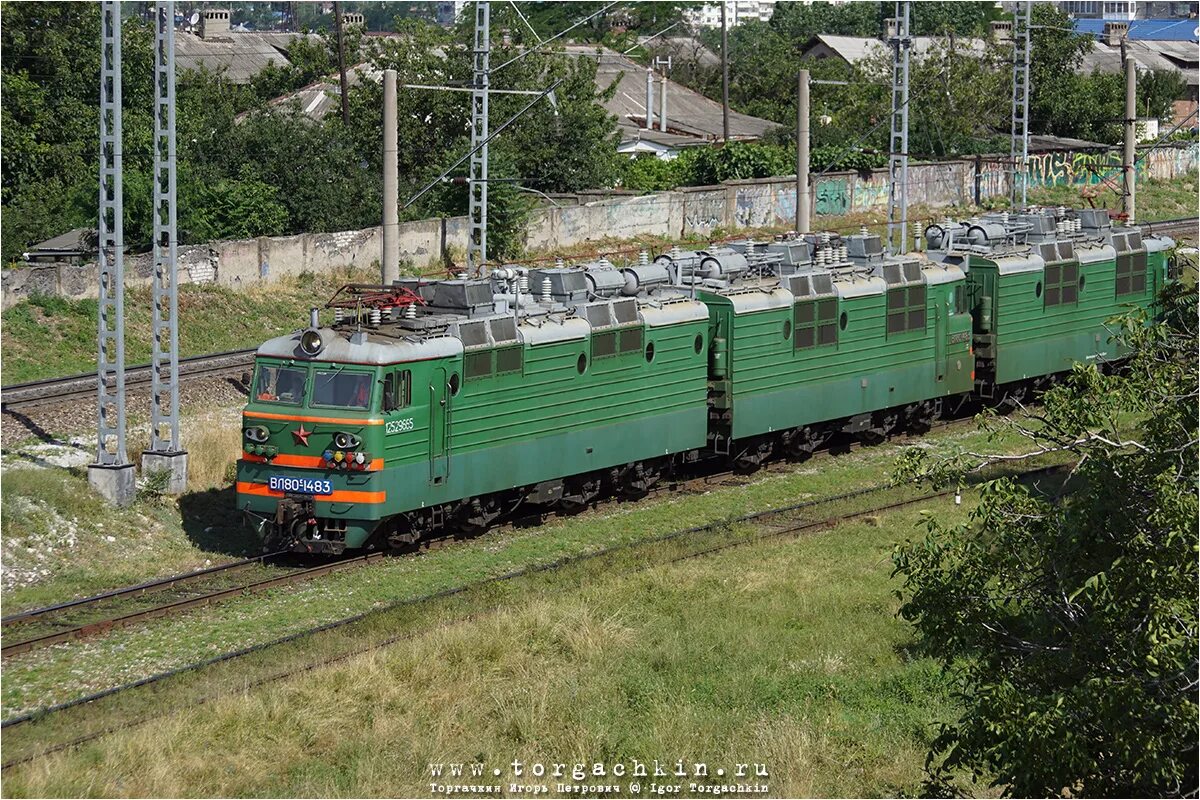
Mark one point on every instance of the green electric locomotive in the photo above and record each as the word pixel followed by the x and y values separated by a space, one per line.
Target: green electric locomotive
pixel 1042 286
pixel 442 405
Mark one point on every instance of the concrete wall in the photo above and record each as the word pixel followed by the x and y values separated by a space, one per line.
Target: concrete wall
pixel 598 216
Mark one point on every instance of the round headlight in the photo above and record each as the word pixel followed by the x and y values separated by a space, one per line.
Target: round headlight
pixel 310 341
pixel 257 433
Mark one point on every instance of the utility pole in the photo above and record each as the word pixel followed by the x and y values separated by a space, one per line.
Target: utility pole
pixel 1019 145
pixel 111 475
pixel 478 184
pixel 341 48
pixel 390 262
pixel 725 69
pixel 165 453
pixel 898 160
pixel 1130 155
pixel 803 201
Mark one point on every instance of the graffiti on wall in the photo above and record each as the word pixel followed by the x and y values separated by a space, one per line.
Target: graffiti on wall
pixel 833 196
pixel 1089 169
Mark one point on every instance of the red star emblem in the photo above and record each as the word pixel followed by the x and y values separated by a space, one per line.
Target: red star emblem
pixel 301 435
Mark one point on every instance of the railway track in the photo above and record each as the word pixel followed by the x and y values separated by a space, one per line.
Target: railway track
pixel 774 523
pixel 76 619
pixel 57 391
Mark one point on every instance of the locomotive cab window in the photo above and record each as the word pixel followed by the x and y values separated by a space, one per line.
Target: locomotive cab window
pixel 814 323
pixel 280 384
pixel 397 390
pixel 337 388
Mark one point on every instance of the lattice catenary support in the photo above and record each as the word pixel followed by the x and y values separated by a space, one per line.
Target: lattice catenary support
pixel 478 181
pixel 1019 146
pixel 165 452
pixel 111 475
pixel 898 140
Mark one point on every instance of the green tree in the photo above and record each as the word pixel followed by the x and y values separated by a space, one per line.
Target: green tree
pixel 1068 619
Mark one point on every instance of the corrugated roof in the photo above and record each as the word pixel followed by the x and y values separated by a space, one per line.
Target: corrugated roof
pixel 239 56
pixel 1180 57
pixel 853 49
pixel 692 118
pixel 1172 30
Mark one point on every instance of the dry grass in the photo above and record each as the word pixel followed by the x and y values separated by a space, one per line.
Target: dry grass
pixel 785 653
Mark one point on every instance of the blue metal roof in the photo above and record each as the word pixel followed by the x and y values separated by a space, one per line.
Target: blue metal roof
pixel 1170 30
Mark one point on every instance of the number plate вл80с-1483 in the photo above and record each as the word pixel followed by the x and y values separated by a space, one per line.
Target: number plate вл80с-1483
pixel 314 486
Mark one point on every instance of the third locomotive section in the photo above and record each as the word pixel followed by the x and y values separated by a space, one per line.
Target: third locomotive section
pixel 442 405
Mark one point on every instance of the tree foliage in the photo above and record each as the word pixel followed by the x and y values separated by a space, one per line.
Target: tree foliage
pixel 250 165
pixel 1068 619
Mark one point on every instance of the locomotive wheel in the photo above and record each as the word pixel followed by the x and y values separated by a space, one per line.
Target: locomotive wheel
pixel 582 493
pixel 752 458
pixel 1014 397
pixel 883 425
pixel 922 416
pixel 801 443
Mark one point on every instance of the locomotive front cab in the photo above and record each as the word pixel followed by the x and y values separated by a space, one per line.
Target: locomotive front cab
pixel 333 427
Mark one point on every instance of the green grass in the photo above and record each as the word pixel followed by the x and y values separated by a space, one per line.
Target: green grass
pixel 785 653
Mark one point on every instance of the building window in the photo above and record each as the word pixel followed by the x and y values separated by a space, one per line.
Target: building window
pixel 906 309
pixel 815 323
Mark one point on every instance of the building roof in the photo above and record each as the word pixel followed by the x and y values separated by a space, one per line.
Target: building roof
pixel 1181 57
pixel 692 118
pixel 1170 30
pixel 853 49
pixel 79 240
pixel 239 56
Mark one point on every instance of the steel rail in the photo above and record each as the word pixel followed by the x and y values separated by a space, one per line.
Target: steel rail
pixel 70 387
pixel 156 585
pixel 185 604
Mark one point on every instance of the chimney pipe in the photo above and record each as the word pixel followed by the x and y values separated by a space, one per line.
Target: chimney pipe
pixel 649 99
pixel 662 109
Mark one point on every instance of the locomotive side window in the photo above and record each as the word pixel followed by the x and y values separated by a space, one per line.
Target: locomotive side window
pixel 337 388
pixel 279 385
pixel 397 390
pixel 815 323
pixel 1062 284
pixel 604 344
pixel 510 359
pixel 906 309
pixel 477 364
pixel 1131 273
pixel 631 340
